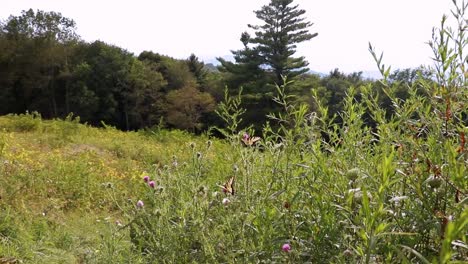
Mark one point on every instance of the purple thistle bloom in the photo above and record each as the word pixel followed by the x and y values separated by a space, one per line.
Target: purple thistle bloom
pixel 140 204
pixel 146 178
pixel 152 184
pixel 286 247
pixel 245 136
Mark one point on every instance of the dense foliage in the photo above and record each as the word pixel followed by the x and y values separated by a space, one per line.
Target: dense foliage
pixel 46 67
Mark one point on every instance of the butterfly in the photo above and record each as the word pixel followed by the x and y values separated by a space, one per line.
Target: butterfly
pixel 228 187
pixel 249 141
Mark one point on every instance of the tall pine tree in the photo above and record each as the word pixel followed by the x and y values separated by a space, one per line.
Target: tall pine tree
pixel 247 70
pixel 272 48
pixel 284 27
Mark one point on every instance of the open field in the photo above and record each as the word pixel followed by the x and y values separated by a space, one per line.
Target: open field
pixel 71 193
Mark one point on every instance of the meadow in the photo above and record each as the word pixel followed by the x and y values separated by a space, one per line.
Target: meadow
pixel 71 193
pixel 378 186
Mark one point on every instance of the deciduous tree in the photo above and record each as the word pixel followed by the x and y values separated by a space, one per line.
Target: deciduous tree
pixel 186 106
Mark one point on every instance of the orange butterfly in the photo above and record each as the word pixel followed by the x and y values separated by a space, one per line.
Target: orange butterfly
pixel 228 187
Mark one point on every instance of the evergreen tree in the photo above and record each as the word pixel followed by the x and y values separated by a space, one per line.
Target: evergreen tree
pixel 284 27
pixel 197 68
pixel 247 71
pixel 273 45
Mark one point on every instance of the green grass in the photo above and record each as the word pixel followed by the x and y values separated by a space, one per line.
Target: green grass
pixel 61 183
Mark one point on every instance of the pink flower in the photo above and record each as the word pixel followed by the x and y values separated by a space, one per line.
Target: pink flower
pixel 226 201
pixel 286 247
pixel 245 136
pixel 152 184
pixel 146 178
pixel 140 204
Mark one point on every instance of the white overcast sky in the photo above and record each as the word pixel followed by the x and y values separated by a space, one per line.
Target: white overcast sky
pixel 211 28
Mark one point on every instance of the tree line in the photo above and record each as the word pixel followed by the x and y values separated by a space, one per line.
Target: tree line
pixel 46 67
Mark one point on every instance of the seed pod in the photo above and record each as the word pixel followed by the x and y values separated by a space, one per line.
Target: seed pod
pixel 357 197
pixel 433 181
pixel 353 174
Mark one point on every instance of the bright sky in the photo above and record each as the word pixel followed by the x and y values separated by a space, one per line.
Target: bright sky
pixel 211 28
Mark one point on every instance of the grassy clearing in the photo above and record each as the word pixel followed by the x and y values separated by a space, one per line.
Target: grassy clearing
pixel 59 180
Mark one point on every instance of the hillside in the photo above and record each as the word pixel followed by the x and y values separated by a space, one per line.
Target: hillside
pixel 61 183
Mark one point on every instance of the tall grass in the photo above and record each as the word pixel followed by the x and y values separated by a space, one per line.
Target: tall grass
pixel 393 192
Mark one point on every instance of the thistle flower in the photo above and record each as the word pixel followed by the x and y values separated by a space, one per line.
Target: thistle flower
pixel 146 178
pixel 286 247
pixel 140 204
pixel 152 184
pixel 226 201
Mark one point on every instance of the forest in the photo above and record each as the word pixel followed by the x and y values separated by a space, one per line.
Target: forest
pixel 46 68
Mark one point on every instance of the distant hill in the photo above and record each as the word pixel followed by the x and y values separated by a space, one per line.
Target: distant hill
pixel 321 74
pixel 212 63
pixel 367 75
pixel 372 75
pixel 211 67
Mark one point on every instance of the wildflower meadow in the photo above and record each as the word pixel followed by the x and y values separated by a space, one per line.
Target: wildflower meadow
pixel 304 189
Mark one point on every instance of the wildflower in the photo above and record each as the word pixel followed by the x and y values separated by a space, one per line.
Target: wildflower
pixel 209 143
pixel 152 184
pixel 140 204
pixel 146 178
pixel 226 201
pixel 199 155
pixel 245 136
pixel 286 247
